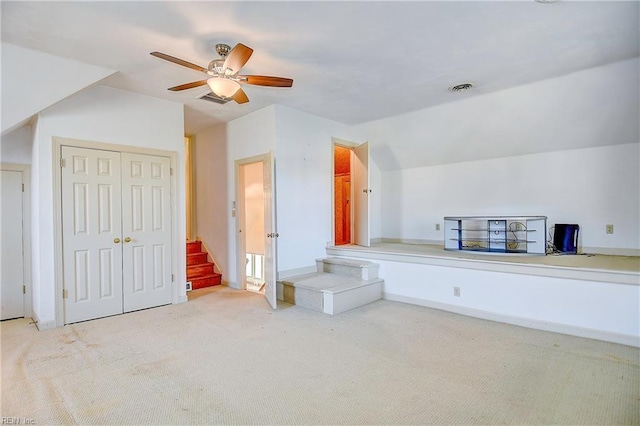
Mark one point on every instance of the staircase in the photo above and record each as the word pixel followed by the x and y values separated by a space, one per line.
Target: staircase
pixel 338 286
pixel 200 271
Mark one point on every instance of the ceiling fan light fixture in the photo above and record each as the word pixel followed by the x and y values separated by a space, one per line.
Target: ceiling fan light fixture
pixel 223 87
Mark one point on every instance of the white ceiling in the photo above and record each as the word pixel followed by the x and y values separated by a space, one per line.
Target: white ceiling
pixel 351 62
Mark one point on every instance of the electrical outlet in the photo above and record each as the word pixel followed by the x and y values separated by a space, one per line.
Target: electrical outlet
pixel 609 229
pixel 456 291
pixel 437 226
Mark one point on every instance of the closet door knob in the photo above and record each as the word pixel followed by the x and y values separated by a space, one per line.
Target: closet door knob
pixel 116 240
pixel 127 240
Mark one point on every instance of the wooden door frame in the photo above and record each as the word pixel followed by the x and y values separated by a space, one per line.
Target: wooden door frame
pixel 25 170
pixel 241 246
pixel 58 143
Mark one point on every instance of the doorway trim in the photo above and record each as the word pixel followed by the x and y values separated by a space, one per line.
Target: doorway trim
pixel 350 146
pixel 190 187
pixel 25 170
pixel 56 152
pixel 241 246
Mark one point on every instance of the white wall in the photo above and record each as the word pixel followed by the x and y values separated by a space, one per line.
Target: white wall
pixel 304 156
pixel 247 136
pixel 105 115
pixel 600 310
pixel 303 161
pixel 595 107
pixel 592 187
pixel 566 148
pixel 211 188
pixel 33 80
pixel 36 217
pixel 15 146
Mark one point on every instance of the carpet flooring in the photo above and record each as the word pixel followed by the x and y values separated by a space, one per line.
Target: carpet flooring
pixel 226 358
pixel 601 262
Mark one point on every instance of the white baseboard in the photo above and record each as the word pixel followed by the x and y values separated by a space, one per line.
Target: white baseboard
pixel 296 271
pixel 412 241
pixel 46 325
pixel 607 336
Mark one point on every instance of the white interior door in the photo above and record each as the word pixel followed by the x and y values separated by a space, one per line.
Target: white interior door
pixel 12 257
pixel 91 231
pixel 361 195
pixel 270 230
pixel 146 227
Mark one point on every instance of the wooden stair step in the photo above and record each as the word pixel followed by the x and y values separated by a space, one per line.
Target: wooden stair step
pixel 194 247
pixel 206 281
pixel 196 259
pixel 200 270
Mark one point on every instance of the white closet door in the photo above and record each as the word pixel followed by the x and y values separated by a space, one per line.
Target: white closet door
pixel 11 261
pixel 146 225
pixel 91 230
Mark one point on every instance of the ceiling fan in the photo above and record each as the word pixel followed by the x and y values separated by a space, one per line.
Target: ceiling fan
pixel 223 77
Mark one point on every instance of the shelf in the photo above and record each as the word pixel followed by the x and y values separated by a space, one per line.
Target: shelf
pixel 494 218
pixel 494 240
pixel 492 230
pixel 496 234
pixel 486 250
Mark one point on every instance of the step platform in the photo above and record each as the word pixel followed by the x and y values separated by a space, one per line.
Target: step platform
pixel 339 286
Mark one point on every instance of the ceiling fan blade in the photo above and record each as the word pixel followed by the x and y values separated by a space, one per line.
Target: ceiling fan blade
pixel 188 85
pixel 236 59
pixel 263 80
pixel 178 61
pixel 240 97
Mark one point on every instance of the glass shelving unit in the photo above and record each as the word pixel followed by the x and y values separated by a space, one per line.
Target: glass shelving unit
pixel 496 234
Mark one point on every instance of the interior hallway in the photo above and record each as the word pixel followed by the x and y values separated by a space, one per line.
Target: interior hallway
pixel 225 357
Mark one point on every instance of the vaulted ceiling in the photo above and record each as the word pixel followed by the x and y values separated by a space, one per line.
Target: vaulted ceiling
pixel 351 62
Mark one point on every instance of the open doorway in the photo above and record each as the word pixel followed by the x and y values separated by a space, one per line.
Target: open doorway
pixel 351 193
pixel 253 189
pixel 342 194
pixel 256 225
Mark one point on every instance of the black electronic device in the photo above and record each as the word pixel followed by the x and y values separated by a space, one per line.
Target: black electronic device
pixel 565 238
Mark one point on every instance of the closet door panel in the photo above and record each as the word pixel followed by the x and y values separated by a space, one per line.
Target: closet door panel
pixel 91 231
pixel 146 216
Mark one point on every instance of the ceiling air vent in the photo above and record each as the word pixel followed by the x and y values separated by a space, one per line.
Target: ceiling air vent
pixel 461 87
pixel 211 97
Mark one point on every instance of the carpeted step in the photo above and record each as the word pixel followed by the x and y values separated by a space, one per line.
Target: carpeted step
pixel 361 269
pixel 196 259
pixel 328 292
pixel 200 272
pixel 206 281
pixel 194 247
pixel 195 271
